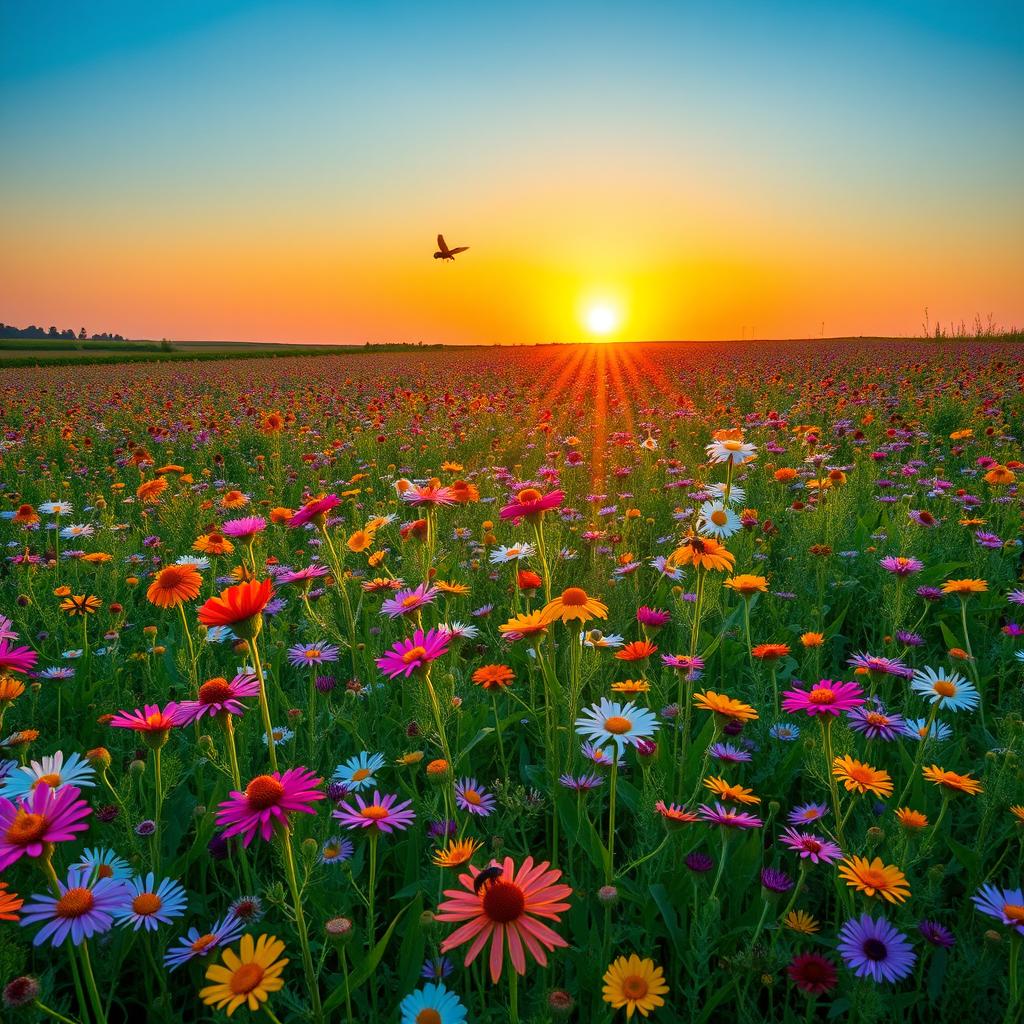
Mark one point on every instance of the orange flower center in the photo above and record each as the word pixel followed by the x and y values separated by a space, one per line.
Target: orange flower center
pixel 944 688
pixel 52 780
pixel 1013 912
pixel 104 871
pixel 732 446
pixel 634 987
pixel 822 695
pixel 574 597
pixel 26 828
pixel 374 812
pixel 264 791
pixel 74 903
pixel 471 796
pixel 503 902
pixel 428 1015
pixel 874 718
pixel 718 517
pixel 528 494
pixel 874 879
pixel 617 725
pixel 203 943
pixel 861 774
pixel 411 600
pixel 360 774
pixel 147 903
pixel 214 691
pixel 245 979
pixel 414 654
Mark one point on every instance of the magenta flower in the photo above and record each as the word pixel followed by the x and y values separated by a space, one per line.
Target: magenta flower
pixel 303 576
pixel 405 602
pixel 243 529
pixel 408 656
pixel 824 698
pixel 811 847
pixel 532 504
pixel 16 659
pixel 149 720
pixel 30 825
pixel 428 494
pixel 900 566
pixel 879 665
pixel 383 813
pixel 217 697
pixel 728 817
pixel 314 511
pixel 267 802
pixel 652 618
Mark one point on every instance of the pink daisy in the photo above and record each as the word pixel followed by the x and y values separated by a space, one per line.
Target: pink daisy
pixel 149 720
pixel 45 816
pixel 243 529
pixel 408 656
pixel 652 618
pixel 405 602
pixel 217 697
pixel 811 846
pixel 383 813
pixel 16 659
pixel 303 576
pixel 532 504
pixel 267 802
pixel 314 511
pixel 824 698
pixel 428 494
pixel 728 817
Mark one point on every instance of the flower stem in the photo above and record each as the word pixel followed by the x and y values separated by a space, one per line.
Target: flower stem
pixel 264 705
pixel 609 873
pixel 90 984
pixel 300 921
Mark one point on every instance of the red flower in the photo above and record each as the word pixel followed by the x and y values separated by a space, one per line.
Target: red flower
pixel 237 605
pixel 812 973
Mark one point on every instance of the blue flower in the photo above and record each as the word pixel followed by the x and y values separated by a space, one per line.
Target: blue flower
pixel 150 907
pixel 359 772
pixel 447 1006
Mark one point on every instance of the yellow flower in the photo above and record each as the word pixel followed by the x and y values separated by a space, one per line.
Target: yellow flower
pixel 747 585
pixel 248 977
pixel 457 852
pixel 856 775
pixel 702 553
pixel 875 878
pixel 724 705
pixel 635 984
pixel 964 588
pixel 574 604
pixel 802 922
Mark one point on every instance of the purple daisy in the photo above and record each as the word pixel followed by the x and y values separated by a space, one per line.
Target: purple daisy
pixel 217 697
pixel 728 753
pixel 811 847
pixel 195 943
pixel 303 577
pixel 473 798
pixel 384 813
pixel 878 665
pixel 936 934
pixel 805 813
pixel 312 654
pixel 81 909
pixel 408 602
pixel 728 817
pixel 1005 905
pixel 873 948
pixel 876 723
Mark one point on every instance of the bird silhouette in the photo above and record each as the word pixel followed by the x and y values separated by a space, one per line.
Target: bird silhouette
pixel 444 253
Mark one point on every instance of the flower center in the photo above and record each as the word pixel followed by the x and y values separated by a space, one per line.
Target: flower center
pixel 104 871
pixel 410 601
pixel 503 902
pixel 874 949
pixel 719 518
pixel 634 987
pixel 52 780
pixel 471 796
pixel 311 654
pixel 263 792
pixel 147 903
pixel 617 725
pixel 26 828
pixel 74 903
pixel 529 494
pixel 214 691
pixel 574 597
pixel 428 1015
pixel 1013 912
pixel 203 943
pixel 375 812
pixel 732 446
pixel 414 654
pixel 822 695
pixel 360 773
pixel 944 688
pixel 874 718
pixel 812 845
pixel 246 978
pixel 874 879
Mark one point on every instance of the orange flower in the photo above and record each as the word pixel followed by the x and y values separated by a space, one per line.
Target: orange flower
pixel 911 820
pixel 149 491
pixel 360 541
pixel 636 650
pixel 10 903
pixel 702 553
pixel 747 585
pixel 26 514
pixel 464 493
pixel 785 475
pixel 530 624
pixel 213 544
pixel 631 686
pixel 1000 476
pixel 875 878
pixel 730 793
pixel 10 689
pixel 812 639
pixel 280 514
pixel 173 585
pixel 951 780
pixel 770 652
pixel 457 852
pixel 964 588
pixel 239 607
pixel 574 604
pixel 234 499
pixel 493 677
pixel 724 705
pixel 856 775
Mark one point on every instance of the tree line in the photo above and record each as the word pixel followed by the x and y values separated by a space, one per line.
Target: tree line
pixel 10 331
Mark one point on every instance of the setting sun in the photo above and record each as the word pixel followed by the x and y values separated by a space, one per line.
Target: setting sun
pixel 602 318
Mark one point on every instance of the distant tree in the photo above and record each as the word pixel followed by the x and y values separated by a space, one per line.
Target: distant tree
pixel 82 335
pixel 53 332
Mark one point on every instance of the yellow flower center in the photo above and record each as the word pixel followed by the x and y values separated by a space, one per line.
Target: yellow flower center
pixel 410 600
pixel 26 828
pixel 471 796
pixel 52 780
pixel 203 943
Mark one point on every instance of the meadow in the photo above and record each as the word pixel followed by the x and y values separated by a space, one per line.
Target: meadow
pixel 579 683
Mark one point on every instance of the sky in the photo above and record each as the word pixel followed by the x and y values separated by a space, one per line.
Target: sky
pixel 670 170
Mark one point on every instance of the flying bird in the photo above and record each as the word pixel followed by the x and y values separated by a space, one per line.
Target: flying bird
pixel 444 253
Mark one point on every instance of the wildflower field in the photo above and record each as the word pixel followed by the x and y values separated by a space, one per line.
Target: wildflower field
pixel 575 683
